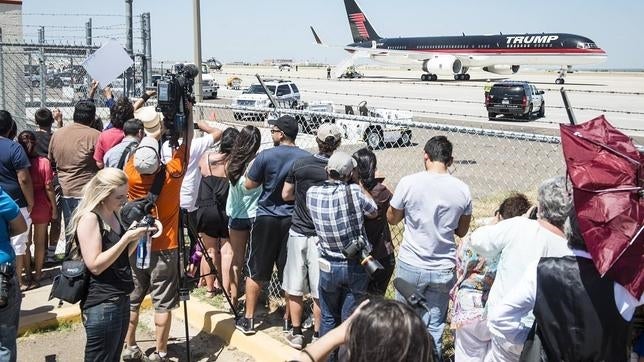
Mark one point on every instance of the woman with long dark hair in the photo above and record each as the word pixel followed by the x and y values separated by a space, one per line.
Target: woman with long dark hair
pixel 210 217
pixel 377 229
pixel 241 205
pixel 42 177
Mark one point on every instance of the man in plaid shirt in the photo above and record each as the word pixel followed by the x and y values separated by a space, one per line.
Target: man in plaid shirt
pixel 342 281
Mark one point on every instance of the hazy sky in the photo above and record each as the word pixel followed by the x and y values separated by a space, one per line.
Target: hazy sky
pixel 253 30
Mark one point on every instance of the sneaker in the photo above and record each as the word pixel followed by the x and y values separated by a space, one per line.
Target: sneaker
pixel 295 340
pixel 308 322
pixel 287 327
pixel 132 353
pixel 246 326
pixel 157 357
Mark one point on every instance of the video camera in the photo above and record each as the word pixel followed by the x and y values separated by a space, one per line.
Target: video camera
pixel 174 89
pixel 7 272
pixel 358 248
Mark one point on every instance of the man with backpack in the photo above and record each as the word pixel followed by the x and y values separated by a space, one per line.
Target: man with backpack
pixel 118 155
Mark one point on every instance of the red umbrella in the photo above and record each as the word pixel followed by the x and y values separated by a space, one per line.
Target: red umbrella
pixel 607 177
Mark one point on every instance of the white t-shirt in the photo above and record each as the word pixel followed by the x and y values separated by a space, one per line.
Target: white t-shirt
pixel 190 185
pixel 433 204
pixel 520 243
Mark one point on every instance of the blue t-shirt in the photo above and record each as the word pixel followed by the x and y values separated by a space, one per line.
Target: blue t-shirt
pixel 8 211
pixel 270 169
pixel 12 158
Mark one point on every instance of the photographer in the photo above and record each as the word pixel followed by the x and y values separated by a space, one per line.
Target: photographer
pixel 105 244
pixel 338 223
pixel 162 276
pixel 11 224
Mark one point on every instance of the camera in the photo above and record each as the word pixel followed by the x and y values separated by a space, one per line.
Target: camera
pixel 173 90
pixel 147 221
pixel 357 248
pixel 6 274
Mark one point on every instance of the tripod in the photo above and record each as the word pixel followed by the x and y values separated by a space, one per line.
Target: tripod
pixel 185 281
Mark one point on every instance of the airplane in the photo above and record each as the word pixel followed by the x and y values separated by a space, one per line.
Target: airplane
pixel 456 55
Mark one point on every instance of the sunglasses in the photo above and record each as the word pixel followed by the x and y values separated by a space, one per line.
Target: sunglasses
pixel 276 131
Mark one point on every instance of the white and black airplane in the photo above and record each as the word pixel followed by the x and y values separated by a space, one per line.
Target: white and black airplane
pixel 455 55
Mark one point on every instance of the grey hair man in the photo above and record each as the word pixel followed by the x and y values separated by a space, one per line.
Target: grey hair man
pixel 520 242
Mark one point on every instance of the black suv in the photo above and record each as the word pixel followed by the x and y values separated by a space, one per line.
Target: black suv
pixel 515 99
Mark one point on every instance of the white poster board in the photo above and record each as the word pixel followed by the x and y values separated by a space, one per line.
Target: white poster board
pixel 107 63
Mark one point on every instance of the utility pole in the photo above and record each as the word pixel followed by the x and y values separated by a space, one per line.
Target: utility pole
pixel 196 13
pixel 128 81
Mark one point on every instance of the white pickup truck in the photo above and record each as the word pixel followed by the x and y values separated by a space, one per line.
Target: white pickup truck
pixel 377 135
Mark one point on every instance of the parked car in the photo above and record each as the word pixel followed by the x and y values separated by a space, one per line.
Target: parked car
pixel 285 93
pixel 515 99
pixel 375 134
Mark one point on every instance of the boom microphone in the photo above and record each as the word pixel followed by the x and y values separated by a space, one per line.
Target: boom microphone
pixel 408 291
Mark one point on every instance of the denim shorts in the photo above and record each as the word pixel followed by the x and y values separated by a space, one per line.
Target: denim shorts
pixel 240 224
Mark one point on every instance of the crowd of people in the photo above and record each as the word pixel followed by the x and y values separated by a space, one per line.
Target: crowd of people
pixel 521 286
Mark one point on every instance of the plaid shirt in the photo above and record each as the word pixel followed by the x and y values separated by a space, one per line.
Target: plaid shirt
pixel 334 223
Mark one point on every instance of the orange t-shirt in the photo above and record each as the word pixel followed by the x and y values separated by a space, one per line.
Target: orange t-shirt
pixel 167 205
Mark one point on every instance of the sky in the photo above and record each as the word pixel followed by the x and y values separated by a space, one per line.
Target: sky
pixel 254 30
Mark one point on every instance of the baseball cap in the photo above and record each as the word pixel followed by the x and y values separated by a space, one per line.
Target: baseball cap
pixel 146 156
pixel 150 117
pixel 341 163
pixel 286 124
pixel 327 130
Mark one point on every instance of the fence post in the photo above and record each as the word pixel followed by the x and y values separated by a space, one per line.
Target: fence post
pixel 2 94
pixel 88 41
pixel 43 68
pixel 31 82
pixel 148 49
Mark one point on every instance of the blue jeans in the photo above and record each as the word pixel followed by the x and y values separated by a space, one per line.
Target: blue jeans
pixel 340 291
pixel 69 205
pixel 9 316
pixel 105 326
pixel 434 285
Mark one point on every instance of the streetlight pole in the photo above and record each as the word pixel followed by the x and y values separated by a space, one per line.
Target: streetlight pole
pixel 196 13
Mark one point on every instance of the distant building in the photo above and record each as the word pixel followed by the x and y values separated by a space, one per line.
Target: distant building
pixel 277 61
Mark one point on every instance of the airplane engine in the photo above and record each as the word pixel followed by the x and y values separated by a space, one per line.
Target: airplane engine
pixel 502 69
pixel 443 64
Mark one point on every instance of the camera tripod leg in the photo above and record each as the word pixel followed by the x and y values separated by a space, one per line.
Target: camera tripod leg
pixel 211 264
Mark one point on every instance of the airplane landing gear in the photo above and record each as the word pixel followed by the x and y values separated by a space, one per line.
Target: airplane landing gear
pixel 562 74
pixel 428 77
pixel 461 76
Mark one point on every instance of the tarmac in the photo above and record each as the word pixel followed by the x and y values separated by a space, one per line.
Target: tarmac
pixel 38 313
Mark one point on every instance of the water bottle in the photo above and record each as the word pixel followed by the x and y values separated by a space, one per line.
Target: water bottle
pixel 143 251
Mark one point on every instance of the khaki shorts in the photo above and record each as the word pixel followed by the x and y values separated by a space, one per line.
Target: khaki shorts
pixel 161 280
pixel 302 270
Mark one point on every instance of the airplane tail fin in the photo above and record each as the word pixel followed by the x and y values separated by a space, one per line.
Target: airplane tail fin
pixel 361 29
pixel 317 38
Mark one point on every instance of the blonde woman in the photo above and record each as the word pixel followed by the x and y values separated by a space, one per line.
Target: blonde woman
pixel 105 246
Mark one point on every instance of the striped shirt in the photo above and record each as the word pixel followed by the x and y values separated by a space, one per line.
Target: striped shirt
pixel 335 224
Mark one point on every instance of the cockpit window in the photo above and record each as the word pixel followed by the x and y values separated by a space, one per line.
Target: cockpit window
pixel 581 45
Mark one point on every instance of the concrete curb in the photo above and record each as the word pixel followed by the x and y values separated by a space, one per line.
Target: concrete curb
pixel 58 316
pixel 260 346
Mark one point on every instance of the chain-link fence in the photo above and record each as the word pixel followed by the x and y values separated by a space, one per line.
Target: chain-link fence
pixel 52 76
pixel 493 163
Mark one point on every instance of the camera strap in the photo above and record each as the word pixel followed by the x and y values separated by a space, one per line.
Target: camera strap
pixel 351 212
pixel 157 184
pixel 126 153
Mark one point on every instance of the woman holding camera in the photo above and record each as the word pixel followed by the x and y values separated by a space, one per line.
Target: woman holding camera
pixel 377 229
pixel 105 246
